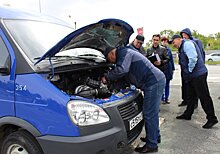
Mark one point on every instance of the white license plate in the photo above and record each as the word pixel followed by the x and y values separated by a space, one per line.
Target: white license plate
pixel 133 122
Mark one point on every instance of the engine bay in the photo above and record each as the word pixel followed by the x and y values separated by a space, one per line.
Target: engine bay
pixel 87 83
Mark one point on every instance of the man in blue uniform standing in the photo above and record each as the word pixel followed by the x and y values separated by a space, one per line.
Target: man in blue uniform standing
pixel 194 73
pixel 139 71
pixel 137 44
pixel 187 34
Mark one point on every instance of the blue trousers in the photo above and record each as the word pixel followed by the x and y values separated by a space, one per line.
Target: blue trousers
pixel 151 104
pixel 166 92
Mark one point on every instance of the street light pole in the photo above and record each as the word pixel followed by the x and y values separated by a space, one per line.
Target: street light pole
pixel 39 6
pixel 71 20
pixel 75 25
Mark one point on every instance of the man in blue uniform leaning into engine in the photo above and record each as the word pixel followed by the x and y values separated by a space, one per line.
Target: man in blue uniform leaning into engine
pixel 139 71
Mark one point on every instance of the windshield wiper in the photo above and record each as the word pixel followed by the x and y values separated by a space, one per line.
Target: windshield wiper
pixel 87 57
pixel 54 57
pixel 91 57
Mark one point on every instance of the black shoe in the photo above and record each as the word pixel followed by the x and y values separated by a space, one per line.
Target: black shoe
pixel 183 103
pixel 145 149
pixel 144 139
pixel 184 117
pixel 165 102
pixel 210 123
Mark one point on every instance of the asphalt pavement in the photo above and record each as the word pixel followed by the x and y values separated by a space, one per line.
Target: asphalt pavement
pixel 187 137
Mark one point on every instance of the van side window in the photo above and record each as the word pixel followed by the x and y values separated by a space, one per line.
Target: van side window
pixel 4 56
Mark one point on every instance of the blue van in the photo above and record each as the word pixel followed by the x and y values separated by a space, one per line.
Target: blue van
pixel 51 97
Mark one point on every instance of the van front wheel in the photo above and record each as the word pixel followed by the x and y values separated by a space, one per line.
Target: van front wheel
pixel 20 142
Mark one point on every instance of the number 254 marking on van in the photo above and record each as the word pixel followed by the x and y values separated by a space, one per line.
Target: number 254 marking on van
pixel 21 87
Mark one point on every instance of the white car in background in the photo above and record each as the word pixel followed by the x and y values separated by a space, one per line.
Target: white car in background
pixel 213 57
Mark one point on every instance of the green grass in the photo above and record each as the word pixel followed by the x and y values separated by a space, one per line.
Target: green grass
pixel 212 62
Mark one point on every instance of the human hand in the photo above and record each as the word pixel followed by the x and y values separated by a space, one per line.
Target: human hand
pixel 157 63
pixel 103 80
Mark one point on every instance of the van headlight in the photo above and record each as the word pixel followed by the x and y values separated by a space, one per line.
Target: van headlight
pixel 83 113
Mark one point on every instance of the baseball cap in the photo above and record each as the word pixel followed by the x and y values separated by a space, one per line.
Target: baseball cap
pixel 140 38
pixel 173 38
pixel 107 50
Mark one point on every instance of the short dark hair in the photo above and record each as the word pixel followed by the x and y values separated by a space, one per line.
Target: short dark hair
pixel 156 35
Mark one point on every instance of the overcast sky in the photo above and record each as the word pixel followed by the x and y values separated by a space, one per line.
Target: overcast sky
pixel 153 15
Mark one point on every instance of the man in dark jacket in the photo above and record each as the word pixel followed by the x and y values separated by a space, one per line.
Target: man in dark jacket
pixel 187 34
pixel 137 44
pixel 156 49
pixel 139 71
pixel 194 73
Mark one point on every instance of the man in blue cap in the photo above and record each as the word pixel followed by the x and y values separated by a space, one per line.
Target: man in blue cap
pixel 137 44
pixel 139 71
pixel 187 34
pixel 194 73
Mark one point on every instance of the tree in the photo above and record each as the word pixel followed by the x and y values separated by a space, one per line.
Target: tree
pixel 167 32
pixel 210 42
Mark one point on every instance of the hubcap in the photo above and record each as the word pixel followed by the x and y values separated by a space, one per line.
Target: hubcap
pixel 16 149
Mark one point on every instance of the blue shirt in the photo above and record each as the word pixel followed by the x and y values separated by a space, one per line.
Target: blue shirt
pixel 191 53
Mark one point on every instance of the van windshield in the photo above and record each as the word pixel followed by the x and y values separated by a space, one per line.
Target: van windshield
pixel 36 37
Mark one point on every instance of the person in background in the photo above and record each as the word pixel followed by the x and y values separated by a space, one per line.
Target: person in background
pixel 157 49
pixel 194 73
pixel 168 72
pixel 137 44
pixel 139 71
pixel 161 59
pixel 187 34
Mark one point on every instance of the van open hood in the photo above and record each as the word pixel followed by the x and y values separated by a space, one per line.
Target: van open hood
pixel 97 36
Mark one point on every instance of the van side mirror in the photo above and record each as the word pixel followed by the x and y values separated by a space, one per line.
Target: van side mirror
pixel 4 70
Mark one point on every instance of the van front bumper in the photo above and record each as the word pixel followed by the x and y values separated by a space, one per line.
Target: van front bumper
pixel 110 141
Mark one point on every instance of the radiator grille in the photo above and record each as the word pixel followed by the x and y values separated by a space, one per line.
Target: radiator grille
pixel 128 111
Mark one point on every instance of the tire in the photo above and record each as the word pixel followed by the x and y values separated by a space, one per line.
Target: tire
pixel 20 142
pixel 210 60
